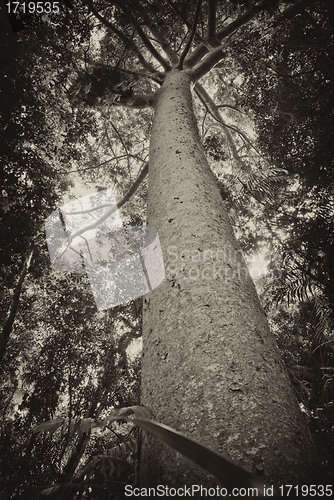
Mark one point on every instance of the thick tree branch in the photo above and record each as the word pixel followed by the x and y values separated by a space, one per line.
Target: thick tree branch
pixel 241 21
pixel 165 45
pixel 7 328
pixel 122 5
pixel 152 49
pixel 191 34
pixel 147 65
pixel 198 37
pixel 212 20
pixel 208 62
pixel 200 51
pixel 155 31
pixel 179 13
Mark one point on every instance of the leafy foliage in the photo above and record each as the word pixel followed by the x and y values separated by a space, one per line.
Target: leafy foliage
pixel 113 460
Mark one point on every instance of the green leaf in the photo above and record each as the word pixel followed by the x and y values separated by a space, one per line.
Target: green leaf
pixel 226 472
pixel 57 491
pixel 139 411
pixel 49 426
pixel 49 491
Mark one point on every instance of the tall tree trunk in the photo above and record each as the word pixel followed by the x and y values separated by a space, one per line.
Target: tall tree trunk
pixel 211 368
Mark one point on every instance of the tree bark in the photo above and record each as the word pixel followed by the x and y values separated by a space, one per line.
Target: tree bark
pixel 211 368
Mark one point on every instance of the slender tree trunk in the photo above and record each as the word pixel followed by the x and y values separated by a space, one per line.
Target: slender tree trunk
pixel 211 368
pixel 8 326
